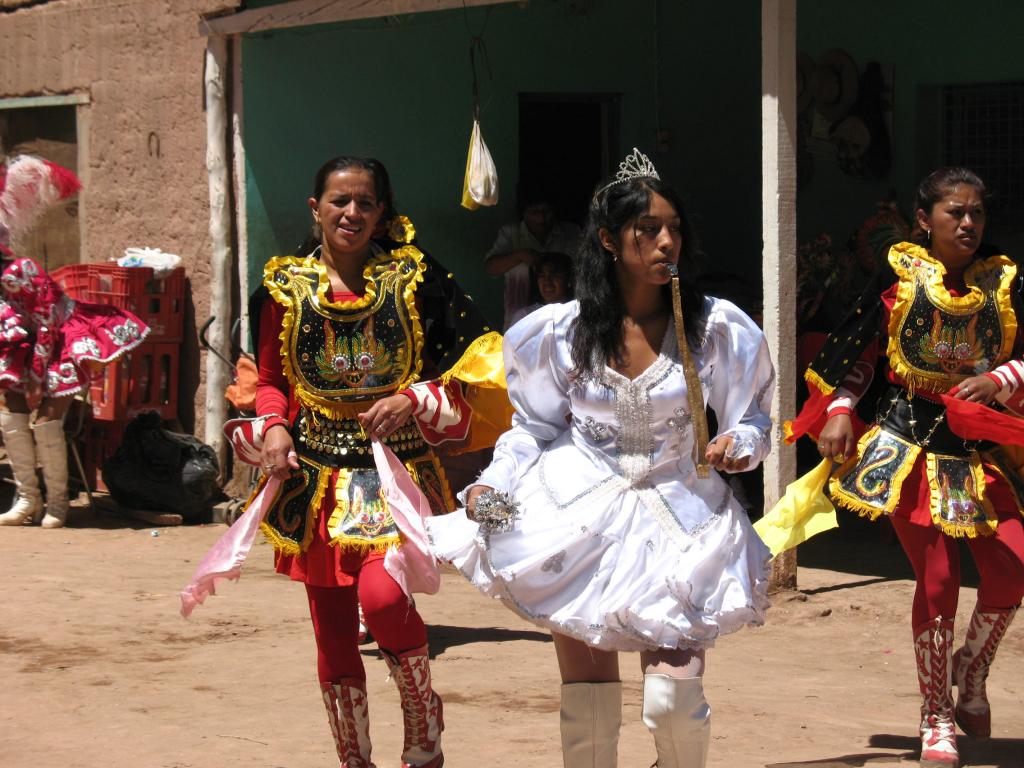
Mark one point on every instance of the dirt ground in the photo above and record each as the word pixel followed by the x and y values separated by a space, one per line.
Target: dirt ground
pixel 98 669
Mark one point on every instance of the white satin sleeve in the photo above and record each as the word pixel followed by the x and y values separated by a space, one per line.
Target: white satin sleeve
pixel 536 371
pixel 742 381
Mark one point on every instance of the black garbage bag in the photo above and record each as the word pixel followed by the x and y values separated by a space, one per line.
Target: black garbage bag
pixel 161 470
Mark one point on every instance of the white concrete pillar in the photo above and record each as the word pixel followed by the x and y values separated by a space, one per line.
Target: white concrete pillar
pixel 238 162
pixel 218 374
pixel 778 227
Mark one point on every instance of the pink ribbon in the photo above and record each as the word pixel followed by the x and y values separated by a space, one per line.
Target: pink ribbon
pixel 225 558
pixel 412 565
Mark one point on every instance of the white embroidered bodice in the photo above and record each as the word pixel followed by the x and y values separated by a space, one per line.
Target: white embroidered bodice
pixel 609 434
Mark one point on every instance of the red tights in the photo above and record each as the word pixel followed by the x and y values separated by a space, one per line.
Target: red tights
pixel 936 562
pixel 394 622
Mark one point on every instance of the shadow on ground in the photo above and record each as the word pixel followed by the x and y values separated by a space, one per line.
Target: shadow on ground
pixel 861 547
pixel 441 637
pixel 1000 753
pixel 848 761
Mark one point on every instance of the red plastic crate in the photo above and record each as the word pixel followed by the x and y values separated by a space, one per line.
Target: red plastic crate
pixel 99 441
pixel 108 392
pixel 145 379
pixel 160 304
pixel 73 280
pixel 154 379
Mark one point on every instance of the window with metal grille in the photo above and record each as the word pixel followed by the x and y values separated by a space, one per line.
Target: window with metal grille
pixel 984 131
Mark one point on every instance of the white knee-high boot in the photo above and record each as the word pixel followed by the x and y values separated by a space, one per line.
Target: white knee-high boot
pixel 52 447
pixel 590 721
pixel 21 452
pixel 679 718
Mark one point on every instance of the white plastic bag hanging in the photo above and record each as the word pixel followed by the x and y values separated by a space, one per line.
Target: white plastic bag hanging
pixel 480 186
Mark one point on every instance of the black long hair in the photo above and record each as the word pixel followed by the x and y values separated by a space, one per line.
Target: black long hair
pixel 597 332
pixel 381 187
pixel 937 185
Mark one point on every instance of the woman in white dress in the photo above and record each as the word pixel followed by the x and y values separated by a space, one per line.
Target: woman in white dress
pixel 598 517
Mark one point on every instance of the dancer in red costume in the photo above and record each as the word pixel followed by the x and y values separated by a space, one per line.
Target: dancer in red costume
pixel 365 336
pixel 50 345
pixel 947 324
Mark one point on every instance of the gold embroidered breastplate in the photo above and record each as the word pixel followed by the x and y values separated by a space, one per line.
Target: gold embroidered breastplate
pixel 345 354
pixel 937 340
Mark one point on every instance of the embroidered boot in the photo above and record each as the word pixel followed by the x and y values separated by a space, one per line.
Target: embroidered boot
pixel 349 715
pixel 970 669
pixel 422 710
pixel 53 457
pixel 21 452
pixel 590 719
pixel 679 718
pixel 933 648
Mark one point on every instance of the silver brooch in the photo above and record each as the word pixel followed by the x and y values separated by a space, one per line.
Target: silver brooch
pixel 495 511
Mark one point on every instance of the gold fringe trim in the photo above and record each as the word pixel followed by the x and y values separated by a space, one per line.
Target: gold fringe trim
pixel 787 431
pixel 291 298
pixel 988 528
pixel 364 547
pixel 409 297
pixel 940 296
pixel 488 343
pixel 853 503
pixel 813 378
pixel 958 530
pixel 288 546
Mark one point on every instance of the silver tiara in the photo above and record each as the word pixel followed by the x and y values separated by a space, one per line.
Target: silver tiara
pixel 637 165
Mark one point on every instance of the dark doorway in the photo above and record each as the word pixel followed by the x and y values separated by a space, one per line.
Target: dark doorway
pixel 566 145
pixel 50 133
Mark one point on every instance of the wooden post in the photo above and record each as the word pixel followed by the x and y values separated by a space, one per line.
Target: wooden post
pixel 778 227
pixel 218 375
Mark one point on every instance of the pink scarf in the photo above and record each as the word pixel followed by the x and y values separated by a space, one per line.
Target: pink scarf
pixel 412 565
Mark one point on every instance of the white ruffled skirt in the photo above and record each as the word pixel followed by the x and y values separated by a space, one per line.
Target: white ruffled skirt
pixel 604 570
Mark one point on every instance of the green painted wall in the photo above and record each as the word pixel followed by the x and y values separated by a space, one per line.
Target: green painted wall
pixel 930 44
pixel 400 90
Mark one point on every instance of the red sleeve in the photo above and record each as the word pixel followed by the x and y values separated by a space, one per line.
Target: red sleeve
pixel 272 385
pixel 812 417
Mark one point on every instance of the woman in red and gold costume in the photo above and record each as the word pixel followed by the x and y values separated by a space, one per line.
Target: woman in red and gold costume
pixel 367 336
pixel 944 331
pixel 50 345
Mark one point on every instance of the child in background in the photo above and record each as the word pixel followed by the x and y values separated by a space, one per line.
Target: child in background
pixel 552 283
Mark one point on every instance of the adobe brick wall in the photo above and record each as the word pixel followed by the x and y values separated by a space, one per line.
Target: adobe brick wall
pixel 143 156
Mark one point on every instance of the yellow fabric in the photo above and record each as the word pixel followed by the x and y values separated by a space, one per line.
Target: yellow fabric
pixel 482 369
pixel 819 383
pixel 804 511
pixel 491 418
pixel 481 364
pixel 915 266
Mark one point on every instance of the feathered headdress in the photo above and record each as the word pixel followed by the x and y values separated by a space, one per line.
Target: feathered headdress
pixel 29 186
